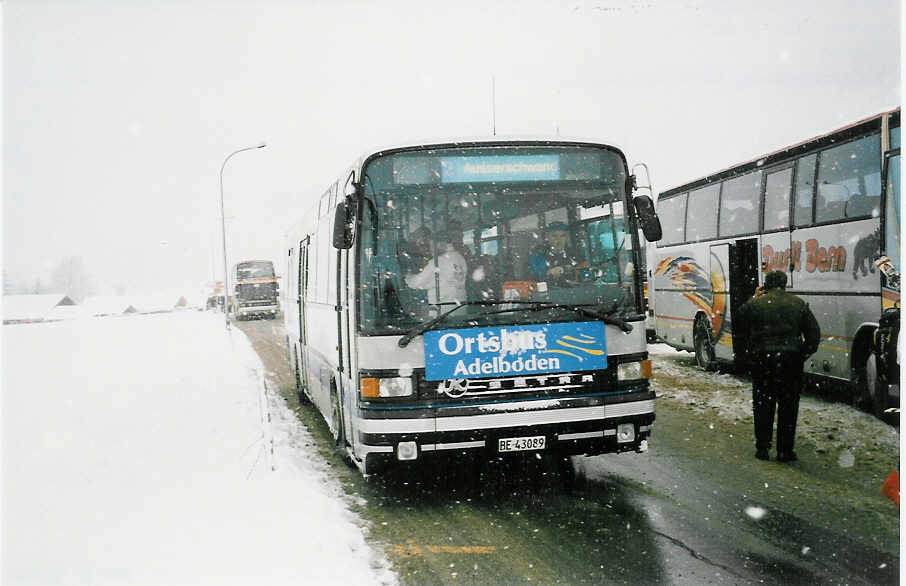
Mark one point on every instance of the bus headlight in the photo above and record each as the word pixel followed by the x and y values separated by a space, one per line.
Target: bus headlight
pixel 634 370
pixel 373 388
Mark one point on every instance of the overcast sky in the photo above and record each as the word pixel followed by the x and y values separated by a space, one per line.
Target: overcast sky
pixel 119 114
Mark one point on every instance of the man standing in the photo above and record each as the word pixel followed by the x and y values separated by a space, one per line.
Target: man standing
pixel 778 332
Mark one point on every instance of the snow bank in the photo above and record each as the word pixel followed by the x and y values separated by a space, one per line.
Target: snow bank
pixel 831 426
pixel 148 451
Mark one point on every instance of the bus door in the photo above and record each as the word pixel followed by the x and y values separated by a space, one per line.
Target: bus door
pixel 345 315
pixel 719 275
pixel 743 274
pixel 301 293
pixel 734 277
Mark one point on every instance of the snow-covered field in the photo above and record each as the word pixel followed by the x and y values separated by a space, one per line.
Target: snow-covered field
pixel 147 450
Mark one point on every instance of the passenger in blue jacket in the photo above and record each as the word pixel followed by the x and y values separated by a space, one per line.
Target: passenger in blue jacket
pixel 553 262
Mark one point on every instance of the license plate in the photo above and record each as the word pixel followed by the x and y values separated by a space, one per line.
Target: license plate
pixel 520 444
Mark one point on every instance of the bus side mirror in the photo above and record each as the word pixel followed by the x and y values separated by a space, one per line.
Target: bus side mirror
pixel 342 226
pixel 651 224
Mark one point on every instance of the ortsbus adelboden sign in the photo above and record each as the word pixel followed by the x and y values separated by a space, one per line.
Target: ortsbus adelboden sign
pixel 515 350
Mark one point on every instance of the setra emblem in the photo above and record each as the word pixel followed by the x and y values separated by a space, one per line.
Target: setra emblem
pixel 453 387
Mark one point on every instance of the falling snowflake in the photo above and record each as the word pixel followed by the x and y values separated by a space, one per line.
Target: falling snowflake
pixel 846 459
pixel 755 512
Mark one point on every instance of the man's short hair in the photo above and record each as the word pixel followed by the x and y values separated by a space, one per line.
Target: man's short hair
pixel 775 280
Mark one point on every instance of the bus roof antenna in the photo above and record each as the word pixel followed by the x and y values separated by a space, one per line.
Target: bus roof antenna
pixel 493 108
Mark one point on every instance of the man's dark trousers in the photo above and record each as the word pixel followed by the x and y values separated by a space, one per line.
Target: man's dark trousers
pixel 776 380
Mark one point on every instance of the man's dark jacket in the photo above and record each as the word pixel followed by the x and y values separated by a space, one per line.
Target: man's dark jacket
pixel 777 322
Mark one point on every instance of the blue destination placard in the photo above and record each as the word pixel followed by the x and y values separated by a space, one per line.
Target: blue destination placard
pixel 500 168
pixel 514 350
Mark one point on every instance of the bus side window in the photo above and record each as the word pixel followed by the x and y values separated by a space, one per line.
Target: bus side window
pixel 805 190
pixel 849 180
pixel 740 200
pixel 777 199
pixel 703 205
pixel 672 213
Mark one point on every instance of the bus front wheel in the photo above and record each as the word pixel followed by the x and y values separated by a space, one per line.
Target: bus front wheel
pixel 873 389
pixel 300 390
pixel 704 348
pixel 336 417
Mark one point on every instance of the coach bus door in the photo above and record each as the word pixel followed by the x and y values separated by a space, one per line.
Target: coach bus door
pixel 719 314
pixel 743 275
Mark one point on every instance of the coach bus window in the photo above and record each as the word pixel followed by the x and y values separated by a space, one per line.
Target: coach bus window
pixel 895 137
pixel 805 190
pixel 739 207
pixel 849 180
pixel 777 199
pixel 672 213
pixel 701 217
pixel 892 214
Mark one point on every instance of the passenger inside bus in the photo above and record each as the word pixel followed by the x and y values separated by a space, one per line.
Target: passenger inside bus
pixel 449 286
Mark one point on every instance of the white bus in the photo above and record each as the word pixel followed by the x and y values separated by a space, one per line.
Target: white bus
pixel 724 232
pixel 509 364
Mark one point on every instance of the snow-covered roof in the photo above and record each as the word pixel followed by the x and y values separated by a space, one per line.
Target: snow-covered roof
pixel 32 307
pixel 108 305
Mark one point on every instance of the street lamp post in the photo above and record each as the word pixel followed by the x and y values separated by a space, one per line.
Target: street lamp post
pixel 226 273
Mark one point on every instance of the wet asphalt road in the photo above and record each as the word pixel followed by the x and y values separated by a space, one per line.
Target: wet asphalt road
pixel 695 509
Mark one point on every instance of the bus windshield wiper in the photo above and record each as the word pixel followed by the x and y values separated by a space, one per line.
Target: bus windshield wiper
pixel 422 328
pixel 611 317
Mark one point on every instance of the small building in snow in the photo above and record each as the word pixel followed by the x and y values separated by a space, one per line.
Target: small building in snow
pixel 100 305
pixel 18 309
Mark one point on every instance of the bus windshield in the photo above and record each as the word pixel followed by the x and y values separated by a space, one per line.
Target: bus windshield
pixel 504 228
pixel 254 270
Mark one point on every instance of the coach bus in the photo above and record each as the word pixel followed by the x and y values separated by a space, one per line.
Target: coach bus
pixel 812 210
pixel 256 290
pixel 506 364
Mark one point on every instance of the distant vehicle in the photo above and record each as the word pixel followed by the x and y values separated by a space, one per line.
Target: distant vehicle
pixel 214 295
pixel 403 370
pixel 255 290
pixel 813 210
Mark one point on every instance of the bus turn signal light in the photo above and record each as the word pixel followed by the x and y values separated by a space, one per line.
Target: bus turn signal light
pixel 370 388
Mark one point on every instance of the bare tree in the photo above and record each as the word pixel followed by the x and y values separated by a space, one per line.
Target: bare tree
pixel 9 287
pixel 71 278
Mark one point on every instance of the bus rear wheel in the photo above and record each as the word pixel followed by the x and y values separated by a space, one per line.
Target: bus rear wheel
pixel 704 348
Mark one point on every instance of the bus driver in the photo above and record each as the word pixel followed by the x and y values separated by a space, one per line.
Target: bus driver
pixel 552 262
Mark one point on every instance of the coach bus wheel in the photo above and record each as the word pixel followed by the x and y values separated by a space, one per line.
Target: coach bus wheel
pixel 704 348
pixel 873 389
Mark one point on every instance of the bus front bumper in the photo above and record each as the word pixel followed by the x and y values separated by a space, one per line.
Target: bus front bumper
pixel 574 428
pixel 257 309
